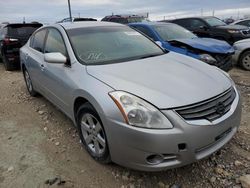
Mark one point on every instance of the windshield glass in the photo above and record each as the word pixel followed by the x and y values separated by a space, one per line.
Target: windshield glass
pixel 136 19
pixel 214 21
pixel 170 32
pixel 103 45
pixel 21 31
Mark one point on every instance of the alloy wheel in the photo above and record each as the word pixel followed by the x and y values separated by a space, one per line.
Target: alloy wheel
pixel 93 134
pixel 246 62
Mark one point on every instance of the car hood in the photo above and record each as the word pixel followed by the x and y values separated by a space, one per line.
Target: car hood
pixel 167 81
pixel 234 27
pixel 208 44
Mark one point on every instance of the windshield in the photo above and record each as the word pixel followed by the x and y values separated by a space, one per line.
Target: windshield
pixel 103 45
pixel 170 32
pixel 21 31
pixel 214 21
pixel 136 19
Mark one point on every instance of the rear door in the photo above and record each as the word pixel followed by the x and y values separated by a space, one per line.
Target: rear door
pixel 35 60
pixel 199 27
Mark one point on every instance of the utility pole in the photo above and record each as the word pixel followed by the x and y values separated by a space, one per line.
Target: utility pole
pixel 70 16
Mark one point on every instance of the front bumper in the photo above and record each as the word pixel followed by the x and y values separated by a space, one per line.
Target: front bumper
pixel 236 56
pixel 186 143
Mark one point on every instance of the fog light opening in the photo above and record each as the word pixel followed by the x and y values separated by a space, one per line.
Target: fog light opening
pixel 182 147
pixel 155 159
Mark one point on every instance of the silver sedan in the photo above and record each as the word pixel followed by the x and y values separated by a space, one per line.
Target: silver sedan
pixel 132 102
pixel 242 53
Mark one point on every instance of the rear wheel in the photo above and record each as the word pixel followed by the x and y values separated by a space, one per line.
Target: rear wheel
pixel 92 133
pixel 244 60
pixel 28 82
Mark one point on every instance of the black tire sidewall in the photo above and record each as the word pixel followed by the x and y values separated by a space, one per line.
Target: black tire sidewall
pixel 241 59
pixel 88 108
pixel 33 93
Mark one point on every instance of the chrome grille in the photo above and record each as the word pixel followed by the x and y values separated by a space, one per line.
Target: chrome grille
pixel 211 109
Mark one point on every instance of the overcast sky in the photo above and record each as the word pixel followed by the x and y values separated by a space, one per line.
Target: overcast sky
pixel 49 11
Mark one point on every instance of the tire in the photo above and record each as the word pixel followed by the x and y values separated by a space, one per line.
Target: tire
pixel 92 133
pixel 7 65
pixel 244 60
pixel 28 83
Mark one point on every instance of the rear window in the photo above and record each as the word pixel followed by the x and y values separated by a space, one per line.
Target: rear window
pixel 22 31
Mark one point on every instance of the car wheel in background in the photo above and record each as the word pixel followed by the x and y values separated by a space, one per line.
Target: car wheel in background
pixel 244 60
pixel 28 82
pixel 92 133
pixel 7 65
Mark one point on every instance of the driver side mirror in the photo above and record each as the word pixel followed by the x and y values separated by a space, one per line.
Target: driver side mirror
pixel 55 57
pixel 203 27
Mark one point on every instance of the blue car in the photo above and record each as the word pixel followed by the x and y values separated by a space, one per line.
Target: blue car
pixel 178 39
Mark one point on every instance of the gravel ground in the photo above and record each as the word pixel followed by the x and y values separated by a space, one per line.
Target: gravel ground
pixel 39 146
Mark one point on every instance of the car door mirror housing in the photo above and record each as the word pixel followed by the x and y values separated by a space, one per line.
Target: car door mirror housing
pixel 55 57
pixel 204 27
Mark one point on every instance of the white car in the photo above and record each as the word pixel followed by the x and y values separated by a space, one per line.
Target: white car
pixel 242 53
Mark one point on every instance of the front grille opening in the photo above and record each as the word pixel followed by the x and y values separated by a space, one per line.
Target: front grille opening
pixel 223 134
pixel 210 109
pixel 216 139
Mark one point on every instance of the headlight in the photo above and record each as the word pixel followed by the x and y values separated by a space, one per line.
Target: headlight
pixel 138 112
pixel 207 59
pixel 233 31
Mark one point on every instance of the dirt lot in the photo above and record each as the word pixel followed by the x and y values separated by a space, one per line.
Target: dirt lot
pixel 39 143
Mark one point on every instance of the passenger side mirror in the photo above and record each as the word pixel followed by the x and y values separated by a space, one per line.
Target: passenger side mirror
pixel 55 57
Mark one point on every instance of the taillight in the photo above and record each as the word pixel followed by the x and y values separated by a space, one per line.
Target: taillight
pixel 9 40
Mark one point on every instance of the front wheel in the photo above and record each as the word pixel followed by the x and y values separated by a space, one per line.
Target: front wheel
pixel 28 82
pixel 244 60
pixel 92 133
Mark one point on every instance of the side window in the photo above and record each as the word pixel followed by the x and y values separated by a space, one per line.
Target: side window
pixel 146 31
pixel 55 43
pixel 196 23
pixel 37 41
pixel 184 23
pixel 246 23
pixel 3 32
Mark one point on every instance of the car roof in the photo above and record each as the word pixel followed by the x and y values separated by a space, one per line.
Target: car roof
pixel 195 17
pixel 23 24
pixel 75 25
pixel 151 23
pixel 124 16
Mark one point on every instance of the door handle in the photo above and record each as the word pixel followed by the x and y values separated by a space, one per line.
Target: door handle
pixel 42 67
pixel 26 56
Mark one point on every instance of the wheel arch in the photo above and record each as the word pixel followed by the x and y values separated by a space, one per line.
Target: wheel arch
pixel 245 50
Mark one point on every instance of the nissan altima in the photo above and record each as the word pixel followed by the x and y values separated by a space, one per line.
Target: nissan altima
pixel 133 103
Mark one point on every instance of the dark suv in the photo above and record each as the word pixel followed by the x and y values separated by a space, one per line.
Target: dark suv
pixel 124 19
pixel 214 28
pixel 12 38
